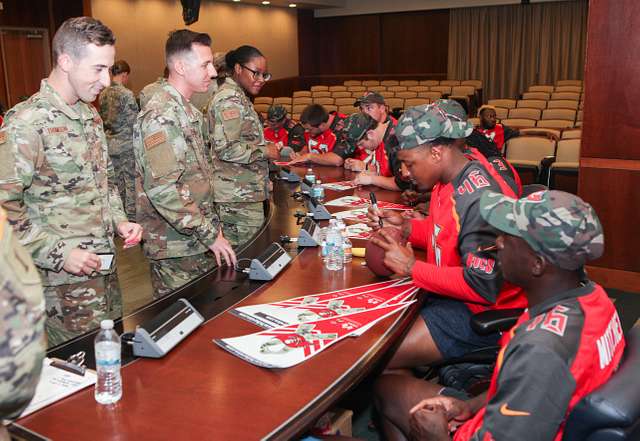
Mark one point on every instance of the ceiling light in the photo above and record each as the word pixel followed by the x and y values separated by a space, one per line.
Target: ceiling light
pixel 236 1
pixel 292 5
pixel 265 2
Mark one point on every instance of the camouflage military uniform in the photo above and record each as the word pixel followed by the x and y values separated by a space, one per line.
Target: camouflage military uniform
pixel 119 109
pixel 174 183
pixel 21 325
pixel 149 90
pixel 240 164
pixel 57 184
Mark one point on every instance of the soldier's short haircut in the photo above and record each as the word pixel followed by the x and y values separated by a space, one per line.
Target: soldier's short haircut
pixel 314 115
pixel 119 67
pixel 181 42
pixel 76 33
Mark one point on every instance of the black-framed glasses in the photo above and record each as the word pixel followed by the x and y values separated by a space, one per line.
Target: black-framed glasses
pixel 266 76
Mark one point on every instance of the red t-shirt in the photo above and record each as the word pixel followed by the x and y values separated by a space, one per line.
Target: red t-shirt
pixel 378 161
pixel 323 143
pixel 281 135
pixel 496 135
pixel 558 352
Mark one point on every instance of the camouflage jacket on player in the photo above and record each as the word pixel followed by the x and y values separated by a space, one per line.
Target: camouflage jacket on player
pixel 173 178
pixel 238 147
pixel 149 90
pixel 57 182
pixel 118 109
pixel 21 326
pixel 295 134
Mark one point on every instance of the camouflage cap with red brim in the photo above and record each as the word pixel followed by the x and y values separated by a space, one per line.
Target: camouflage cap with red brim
pixel 369 98
pixel 356 126
pixel 557 225
pixel 422 124
pixel 452 108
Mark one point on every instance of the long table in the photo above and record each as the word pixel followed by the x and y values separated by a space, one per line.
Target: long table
pixel 198 390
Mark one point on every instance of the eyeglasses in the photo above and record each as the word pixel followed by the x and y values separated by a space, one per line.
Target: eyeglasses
pixel 266 76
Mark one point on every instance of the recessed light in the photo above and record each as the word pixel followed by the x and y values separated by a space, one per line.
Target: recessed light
pixel 236 1
pixel 292 5
pixel 265 2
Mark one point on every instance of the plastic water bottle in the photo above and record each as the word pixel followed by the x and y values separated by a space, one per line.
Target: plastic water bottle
pixel 347 252
pixel 334 247
pixel 107 347
pixel 310 176
pixel 318 191
pixel 323 244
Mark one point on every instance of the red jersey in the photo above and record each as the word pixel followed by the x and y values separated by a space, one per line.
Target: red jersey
pixel 452 234
pixel 501 170
pixel 558 352
pixel 496 135
pixel 281 135
pixel 323 143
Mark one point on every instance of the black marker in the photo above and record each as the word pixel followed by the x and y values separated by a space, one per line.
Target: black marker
pixel 374 204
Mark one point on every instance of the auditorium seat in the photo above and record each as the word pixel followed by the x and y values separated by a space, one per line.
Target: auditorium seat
pixel 298 108
pixel 524 112
pixel 545 96
pixel 565 96
pixel 263 100
pixel 323 100
pixel 503 102
pixel 475 121
pixel 450 83
pixel 540 88
pixel 261 108
pixel 378 89
pixel 541 131
pixel 502 112
pixel 569 83
pixel 389 83
pixel 445 90
pixel 526 154
pixel 395 103
pixel 301 93
pixel 369 83
pixel 572 134
pixel 574 89
pixel 395 88
pixel 477 84
pixel 302 100
pixel 357 90
pixel 341 94
pixel 556 123
pixel 532 104
pixel 320 93
pixel 579 116
pixel 283 100
pixel 418 88
pixel 413 102
pixel 569 114
pixel 330 107
pixel 406 94
pixel 562 104
pixel 337 88
pixel 348 109
pixel 518 122
pixel 431 95
pixel 566 161
pixel 429 83
pixel 349 83
pixel 319 88
pixel 409 83
pixel 343 101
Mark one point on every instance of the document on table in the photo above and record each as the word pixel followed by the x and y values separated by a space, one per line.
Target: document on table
pixel 56 384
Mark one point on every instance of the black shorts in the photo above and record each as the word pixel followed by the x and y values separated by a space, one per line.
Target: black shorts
pixel 449 322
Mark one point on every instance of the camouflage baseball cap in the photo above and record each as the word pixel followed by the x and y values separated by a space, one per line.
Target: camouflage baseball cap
pixel 369 98
pixel 422 124
pixel 452 108
pixel 557 225
pixel 276 113
pixel 356 127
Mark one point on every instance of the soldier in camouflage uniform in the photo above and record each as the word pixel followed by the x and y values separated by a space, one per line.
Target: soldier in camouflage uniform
pixel 173 173
pixel 118 109
pixel 150 89
pixel 21 326
pixel 56 179
pixel 283 130
pixel 239 150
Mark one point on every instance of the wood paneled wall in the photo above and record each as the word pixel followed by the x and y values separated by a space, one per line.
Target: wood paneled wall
pixel 610 154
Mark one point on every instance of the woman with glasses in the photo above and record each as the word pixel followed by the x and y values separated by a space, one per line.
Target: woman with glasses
pixel 238 148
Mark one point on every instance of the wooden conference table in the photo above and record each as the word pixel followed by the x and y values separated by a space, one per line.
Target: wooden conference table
pixel 199 391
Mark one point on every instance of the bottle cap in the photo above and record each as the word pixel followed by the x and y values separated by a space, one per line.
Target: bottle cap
pixel 106 324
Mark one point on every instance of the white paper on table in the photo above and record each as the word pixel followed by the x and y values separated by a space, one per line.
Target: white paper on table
pixel 355 215
pixel 287 346
pixel 56 384
pixel 356 202
pixel 358 231
pixel 339 185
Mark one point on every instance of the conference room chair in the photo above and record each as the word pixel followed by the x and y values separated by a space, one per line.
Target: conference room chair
pixel 502 113
pixel 348 109
pixel 323 100
pixel 302 93
pixel 406 94
pixel 569 83
pixel 342 94
pixel 418 88
pixel 526 153
pixel 450 83
pixel 283 100
pixel 566 160
pixel 532 104
pixel 431 95
pixel 429 83
pixel 298 108
pixel 525 112
pixel 357 90
pixel 395 88
pixel 377 88
pixel 319 88
pixel 565 96
pixel 477 84
pixel 395 103
pixel 540 88
pixel 562 104
pixel 389 83
pixel 349 83
pixel 574 89
pixel 518 122
pixel 320 93
pixel 409 83
pixel 263 100
pixel 544 96
pixel 556 123
pixel 572 134
pixel 343 101
pixel 444 90
pixel 505 103
pixel 569 114
pixel 299 100
pixel 413 102
pixel 553 134
pixel 369 83
pixel 337 88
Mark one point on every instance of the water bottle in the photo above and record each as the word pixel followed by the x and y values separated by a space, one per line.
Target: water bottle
pixel 334 247
pixel 323 244
pixel 347 252
pixel 107 347
pixel 310 176
pixel 317 191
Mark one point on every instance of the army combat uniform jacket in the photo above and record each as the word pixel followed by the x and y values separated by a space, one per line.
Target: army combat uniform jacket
pixel 118 109
pixel 173 178
pixel 238 147
pixel 57 182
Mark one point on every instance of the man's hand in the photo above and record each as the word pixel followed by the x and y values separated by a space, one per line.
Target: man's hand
pixel 81 262
pixel 273 150
pixel 130 232
pixel 429 423
pixel 457 411
pixel 354 164
pixel 412 197
pixel 389 218
pixel 397 258
pixel 364 178
pixel 299 158
pixel 222 248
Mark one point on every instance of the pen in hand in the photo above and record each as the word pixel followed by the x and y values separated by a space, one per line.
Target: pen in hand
pixel 374 204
